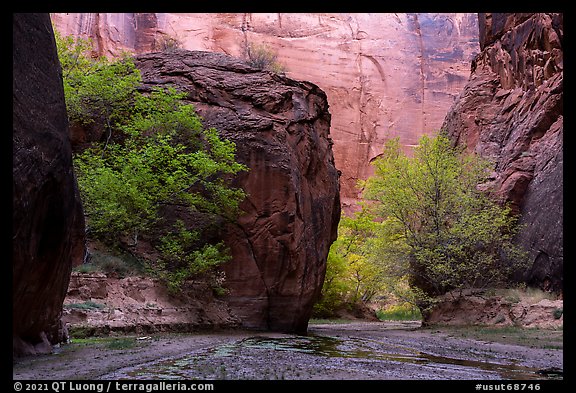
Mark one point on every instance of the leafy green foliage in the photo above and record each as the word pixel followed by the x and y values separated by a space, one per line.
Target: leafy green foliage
pixel 335 288
pixel 355 272
pixel 178 264
pixel 124 185
pixel 96 90
pixel 160 156
pixel 400 312
pixel 426 229
pixel 351 276
pixel 442 232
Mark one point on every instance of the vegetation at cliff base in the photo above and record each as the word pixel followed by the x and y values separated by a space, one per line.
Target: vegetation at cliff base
pixel 154 157
pixel 351 276
pixel 426 229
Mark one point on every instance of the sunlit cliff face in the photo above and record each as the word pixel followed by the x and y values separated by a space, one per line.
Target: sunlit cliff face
pixel 385 74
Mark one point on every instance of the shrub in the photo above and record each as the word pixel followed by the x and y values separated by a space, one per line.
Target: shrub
pixel 263 58
pixel 178 264
pixel 97 91
pixel 87 305
pixel 165 43
pixel 557 313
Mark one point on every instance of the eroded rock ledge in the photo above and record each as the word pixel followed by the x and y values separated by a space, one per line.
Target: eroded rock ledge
pixel 97 304
pixel 477 307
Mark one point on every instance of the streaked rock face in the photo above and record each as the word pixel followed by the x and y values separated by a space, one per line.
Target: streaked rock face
pixel 385 75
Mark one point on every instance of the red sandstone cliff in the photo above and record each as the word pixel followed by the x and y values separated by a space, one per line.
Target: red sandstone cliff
pixel 511 111
pixel 47 217
pixel 281 129
pixel 385 75
pixel 290 216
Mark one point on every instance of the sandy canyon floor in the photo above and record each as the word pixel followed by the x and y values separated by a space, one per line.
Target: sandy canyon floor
pixel 356 350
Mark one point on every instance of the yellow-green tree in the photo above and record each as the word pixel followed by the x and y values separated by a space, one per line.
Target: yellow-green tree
pixel 352 277
pixel 438 229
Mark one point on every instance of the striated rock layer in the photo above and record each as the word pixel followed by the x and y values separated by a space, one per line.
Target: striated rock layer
pixel 385 74
pixel 498 310
pixel 47 218
pixel 281 129
pixel 98 304
pixel 511 111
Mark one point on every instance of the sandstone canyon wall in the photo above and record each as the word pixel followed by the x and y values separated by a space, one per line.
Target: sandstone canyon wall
pixel 281 129
pixel 385 75
pixel 511 111
pixel 47 217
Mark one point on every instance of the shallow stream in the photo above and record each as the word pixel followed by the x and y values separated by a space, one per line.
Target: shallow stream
pixel 327 357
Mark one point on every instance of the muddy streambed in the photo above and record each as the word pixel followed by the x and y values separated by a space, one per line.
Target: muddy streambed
pixel 359 350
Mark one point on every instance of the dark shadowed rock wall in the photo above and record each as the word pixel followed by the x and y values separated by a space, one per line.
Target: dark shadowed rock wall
pixel 47 218
pixel 281 129
pixel 511 111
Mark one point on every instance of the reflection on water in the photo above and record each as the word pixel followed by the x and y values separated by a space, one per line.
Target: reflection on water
pixel 357 348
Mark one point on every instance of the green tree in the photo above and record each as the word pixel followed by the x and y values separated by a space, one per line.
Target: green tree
pixel 160 156
pixel 439 230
